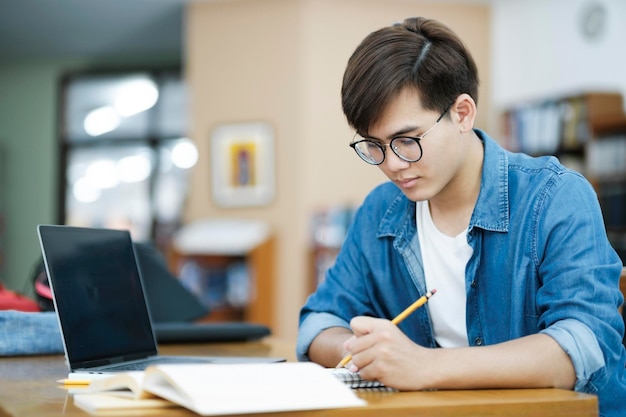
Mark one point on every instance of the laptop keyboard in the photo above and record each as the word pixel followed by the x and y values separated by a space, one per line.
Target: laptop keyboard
pixel 140 366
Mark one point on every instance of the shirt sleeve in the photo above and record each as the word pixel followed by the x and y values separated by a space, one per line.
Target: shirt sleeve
pixel 579 271
pixel 579 342
pixel 311 326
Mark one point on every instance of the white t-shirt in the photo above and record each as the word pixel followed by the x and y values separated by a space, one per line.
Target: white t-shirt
pixel 444 259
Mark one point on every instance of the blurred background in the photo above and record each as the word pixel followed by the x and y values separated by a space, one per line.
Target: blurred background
pixel 109 113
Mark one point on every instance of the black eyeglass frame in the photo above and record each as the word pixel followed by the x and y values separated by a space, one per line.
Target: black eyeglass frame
pixel 382 146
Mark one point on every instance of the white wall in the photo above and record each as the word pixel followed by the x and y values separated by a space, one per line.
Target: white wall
pixel 539 51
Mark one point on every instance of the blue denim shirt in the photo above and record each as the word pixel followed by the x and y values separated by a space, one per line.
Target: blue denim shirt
pixel 541 264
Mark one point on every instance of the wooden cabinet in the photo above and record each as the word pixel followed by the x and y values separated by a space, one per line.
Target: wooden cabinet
pixel 236 286
pixel 587 132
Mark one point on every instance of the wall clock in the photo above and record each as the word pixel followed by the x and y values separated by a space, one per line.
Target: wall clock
pixel 593 20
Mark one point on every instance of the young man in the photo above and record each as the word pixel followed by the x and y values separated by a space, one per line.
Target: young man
pixel 527 283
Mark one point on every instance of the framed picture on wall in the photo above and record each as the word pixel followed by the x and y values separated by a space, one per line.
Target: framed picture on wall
pixel 242 164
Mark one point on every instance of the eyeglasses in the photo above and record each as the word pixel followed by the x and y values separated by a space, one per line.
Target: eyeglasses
pixel 407 148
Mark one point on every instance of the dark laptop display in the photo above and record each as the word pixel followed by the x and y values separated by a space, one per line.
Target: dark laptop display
pixel 99 297
pixel 98 294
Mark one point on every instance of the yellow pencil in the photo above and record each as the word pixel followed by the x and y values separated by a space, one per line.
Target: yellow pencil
pixel 70 382
pixel 417 304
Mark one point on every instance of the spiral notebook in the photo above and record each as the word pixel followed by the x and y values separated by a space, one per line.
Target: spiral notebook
pixel 354 379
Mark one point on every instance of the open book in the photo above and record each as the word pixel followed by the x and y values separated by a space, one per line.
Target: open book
pixel 220 389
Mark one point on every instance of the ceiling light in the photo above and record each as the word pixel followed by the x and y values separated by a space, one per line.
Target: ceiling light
pixel 102 174
pixel 101 120
pixel 184 154
pixel 85 192
pixel 134 168
pixel 136 96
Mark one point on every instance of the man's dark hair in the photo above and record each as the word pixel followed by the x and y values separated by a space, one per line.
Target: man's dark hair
pixel 419 53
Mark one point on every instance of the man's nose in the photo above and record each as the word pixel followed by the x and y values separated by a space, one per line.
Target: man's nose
pixel 393 161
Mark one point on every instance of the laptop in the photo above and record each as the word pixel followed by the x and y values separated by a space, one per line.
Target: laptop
pixel 100 302
pixel 173 307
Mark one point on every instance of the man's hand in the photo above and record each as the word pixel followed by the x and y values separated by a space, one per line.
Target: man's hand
pixel 380 351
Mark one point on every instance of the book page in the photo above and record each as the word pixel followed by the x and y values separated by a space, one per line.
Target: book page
pixel 106 402
pixel 127 384
pixel 213 389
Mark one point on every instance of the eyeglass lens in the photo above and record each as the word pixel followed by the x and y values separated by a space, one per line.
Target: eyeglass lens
pixel 372 152
pixel 406 147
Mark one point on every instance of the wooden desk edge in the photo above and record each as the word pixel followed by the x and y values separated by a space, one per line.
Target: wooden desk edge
pixel 546 402
pixel 32 381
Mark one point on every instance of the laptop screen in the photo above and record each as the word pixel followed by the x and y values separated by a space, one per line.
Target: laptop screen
pixel 98 294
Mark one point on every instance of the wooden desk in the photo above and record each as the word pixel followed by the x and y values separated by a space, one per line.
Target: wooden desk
pixel 28 388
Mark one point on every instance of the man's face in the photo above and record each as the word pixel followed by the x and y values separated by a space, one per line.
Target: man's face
pixel 442 149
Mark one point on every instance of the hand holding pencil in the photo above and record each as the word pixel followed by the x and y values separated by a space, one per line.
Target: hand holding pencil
pixel 410 309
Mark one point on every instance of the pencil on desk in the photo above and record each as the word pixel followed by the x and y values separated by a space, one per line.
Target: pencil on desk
pixel 70 382
pixel 417 304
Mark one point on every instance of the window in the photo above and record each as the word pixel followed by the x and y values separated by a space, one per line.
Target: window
pixel 125 159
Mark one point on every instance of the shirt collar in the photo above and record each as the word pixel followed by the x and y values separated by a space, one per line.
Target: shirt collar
pixel 492 207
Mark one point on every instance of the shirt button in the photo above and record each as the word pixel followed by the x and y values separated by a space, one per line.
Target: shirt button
pixel 478 341
pixel 473 284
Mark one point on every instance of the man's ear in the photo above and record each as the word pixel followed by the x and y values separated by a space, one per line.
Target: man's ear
pixel 463 112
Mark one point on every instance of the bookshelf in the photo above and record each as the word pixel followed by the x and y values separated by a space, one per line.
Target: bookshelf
pixel 328 231
pixel 233 274
pixel 587 132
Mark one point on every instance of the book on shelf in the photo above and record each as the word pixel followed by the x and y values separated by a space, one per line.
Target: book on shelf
pixel 220 389
pixel 536 129
pixel 606 157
